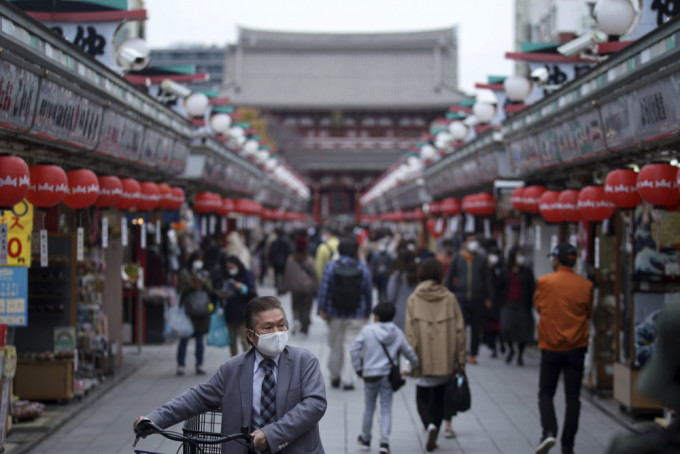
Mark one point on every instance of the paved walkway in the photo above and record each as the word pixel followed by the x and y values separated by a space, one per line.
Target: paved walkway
pixel 503 419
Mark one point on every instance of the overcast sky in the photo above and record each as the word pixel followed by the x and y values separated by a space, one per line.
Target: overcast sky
pixel 485 27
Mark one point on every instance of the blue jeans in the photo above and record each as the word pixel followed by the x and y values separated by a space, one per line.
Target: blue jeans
pixel 383 388
pixel 182 349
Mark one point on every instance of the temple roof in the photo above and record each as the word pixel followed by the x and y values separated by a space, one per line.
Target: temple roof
pixel 274 69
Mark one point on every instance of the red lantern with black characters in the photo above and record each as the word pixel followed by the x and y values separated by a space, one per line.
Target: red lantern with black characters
pixel 49 185
pixel 150 196
pixel 436 227
pixel 658 184
pixel 165 199
pixel 226 207
pixel 467 204
pixel 434 208
pixel 110 191
pixel 14 181
pixel 620 188
pixel 531 197
pixel 177 198
pixel 207 202
pixel 132 191
pixel 485 204
pixel 549 206
pixel 593 205
pixel 568 206
pixel 517 200
pixel 450 206
pixel 83 189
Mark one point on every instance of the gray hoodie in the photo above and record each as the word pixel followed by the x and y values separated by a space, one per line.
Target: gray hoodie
pixel 368 355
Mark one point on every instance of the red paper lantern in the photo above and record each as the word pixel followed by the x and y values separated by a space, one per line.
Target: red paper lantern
pixel 165 196
pixel 549 206
pixel 132 191
pixel 14 181
pixel 466 204
pixel 482 204
pixel 83 189
pixel 226 207
pixel 517 200
pixel 149 197
pixel 207 202
pixel 531 197
pixel 620 188
pixel 434 208
pixel 110 191
pixel 450 206
pixel 177 198
pixel 593 205
pixel 658 184
pixel 568 206
pixel 436 227
pixel 247 207
pixel 49 185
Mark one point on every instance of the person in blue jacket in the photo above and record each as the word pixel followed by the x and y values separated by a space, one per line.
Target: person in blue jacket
pixel 238 288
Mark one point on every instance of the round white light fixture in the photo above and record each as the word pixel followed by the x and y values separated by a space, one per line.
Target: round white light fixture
pixel 614 17
pixel 458 130
pixel 220 123
pixel 262 156
pixel 517 88
pixel 196 104
pixel 428 152
pixel 484 111
pixel 442 140
pixel 251 147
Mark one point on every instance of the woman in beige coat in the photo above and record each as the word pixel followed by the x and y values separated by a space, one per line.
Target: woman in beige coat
pixel 436 332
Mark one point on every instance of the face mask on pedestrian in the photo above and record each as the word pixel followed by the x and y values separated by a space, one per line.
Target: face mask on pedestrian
pixel 232 271
pixel 493 259
pixel 198 265
pixel 271 344
pixel 473 246
pixel 324 238
pixel 520 260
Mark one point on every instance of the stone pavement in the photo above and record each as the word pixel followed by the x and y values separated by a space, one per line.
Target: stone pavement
pixel 503 419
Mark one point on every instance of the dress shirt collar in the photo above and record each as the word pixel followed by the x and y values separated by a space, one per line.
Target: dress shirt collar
pixel 259 358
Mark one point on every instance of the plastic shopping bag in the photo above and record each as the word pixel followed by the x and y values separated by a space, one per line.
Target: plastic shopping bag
pixel 218 335
pixel 177 324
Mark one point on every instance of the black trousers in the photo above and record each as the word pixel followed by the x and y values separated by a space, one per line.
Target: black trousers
pixel 473 311
pixel 430 403
pixel 570 364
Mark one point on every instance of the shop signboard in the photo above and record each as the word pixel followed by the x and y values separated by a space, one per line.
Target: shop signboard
pixel 95 38
pixel 157 148
pixel 13 295
pixel 571 140
pixel 654 110
pixel 121 136
pixel 524 154
pixel 18 91
pixel 617 125
pixel 180 155
pixel 19 223
pixel 67 116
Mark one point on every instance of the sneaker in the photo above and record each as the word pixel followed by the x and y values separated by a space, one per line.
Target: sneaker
pixel 180 371
pixel 200 370
pixel 384 448
pixel 431 438
pixel 449 433
pixel 335 383
pixel 364 445
pixel 546 443
pixel 348 387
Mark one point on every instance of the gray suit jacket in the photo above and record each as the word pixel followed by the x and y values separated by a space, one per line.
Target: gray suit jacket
pixel 300 402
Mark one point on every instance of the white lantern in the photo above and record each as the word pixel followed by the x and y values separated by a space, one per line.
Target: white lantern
pixel 458 130
pixel 220 123
pixel 251 147
pixel 442 140
pixel 517 88
pixel 237 132
pixel 428 152
pixel 614 17
pixel 484 111
pixel 262 156
pixel 271 164
pixel 196 104
pixel 472 120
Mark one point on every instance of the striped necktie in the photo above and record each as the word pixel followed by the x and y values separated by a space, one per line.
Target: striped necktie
pixel 268 396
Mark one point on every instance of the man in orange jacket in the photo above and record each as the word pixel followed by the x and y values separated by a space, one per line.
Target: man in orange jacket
pixel 564 302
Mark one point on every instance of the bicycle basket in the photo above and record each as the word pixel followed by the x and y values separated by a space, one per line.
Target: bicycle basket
pixel 207 425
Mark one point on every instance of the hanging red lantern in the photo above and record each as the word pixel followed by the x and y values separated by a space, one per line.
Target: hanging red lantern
pixel 450 206
pixel 48 187
pixel 165 199
pixel 517 200
pixel 150 196
pixel 436 227
pixel 549 206
pixel 593 205
pixel 434 208
pixel 110 191
pixel 467 204
pixel 14 181
pixel 207 202
pixel 568 206
pixel 226 207
pixel 531 197
pixel 132 191
pixel 177 198
pixel 83 189
pixel 620 188
pixel 658 184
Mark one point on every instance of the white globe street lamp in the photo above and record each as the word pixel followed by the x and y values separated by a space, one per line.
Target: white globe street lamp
pixel 484 111
pixel 458 130
pixel 517 88
pixel 196 104
pixel 250 147
pixel 428 152
pixel 614 17
pixel 442 140
pixel 220 123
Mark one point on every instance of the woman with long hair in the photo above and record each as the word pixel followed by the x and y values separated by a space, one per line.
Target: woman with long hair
pixel 401 283
pixel 299 277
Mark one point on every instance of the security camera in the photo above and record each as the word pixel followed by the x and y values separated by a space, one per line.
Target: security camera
pixel 133 54
pixel 173 88
pixel 540 75
pixel 582 43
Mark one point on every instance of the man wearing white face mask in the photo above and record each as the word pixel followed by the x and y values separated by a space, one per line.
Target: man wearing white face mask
pixel 275 389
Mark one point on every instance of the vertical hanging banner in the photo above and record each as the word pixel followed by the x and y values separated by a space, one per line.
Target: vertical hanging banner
pixel 213 224
pixel 142 235
pixel 44 258
pixel 597 253
pixel 124 231
pixel 19 225
pixel 487 228
pixel 554 240
pixel 537 244
pixel 105 232
pixel 14 295
pixel 3 243
pixel 80 244
pixel 158 231
pixel 223 224
pixel 204 226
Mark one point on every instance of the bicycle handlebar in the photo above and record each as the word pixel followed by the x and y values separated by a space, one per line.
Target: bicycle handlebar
pixel 146 427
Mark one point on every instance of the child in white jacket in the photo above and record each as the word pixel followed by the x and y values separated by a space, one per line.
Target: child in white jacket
pixel 371 362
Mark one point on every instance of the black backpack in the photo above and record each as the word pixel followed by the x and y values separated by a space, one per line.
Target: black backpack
pixel 346 288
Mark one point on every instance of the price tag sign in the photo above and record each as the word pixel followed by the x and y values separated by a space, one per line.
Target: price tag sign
pixel 124 231
pixel 43 248
pixel 105 232
pixel 158 231
pixel 14 295
pixel 3 244
pixel 80 244
pixel 142 237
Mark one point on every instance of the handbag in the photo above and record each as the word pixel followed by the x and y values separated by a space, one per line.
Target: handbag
pixel 177 324
pixel 395 378
pixel 196 302
pixel 457 395
pixel 218 336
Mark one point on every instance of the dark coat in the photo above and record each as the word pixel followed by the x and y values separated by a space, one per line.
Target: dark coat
pixel 235 304
pixel 201 324
pixel 468 280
